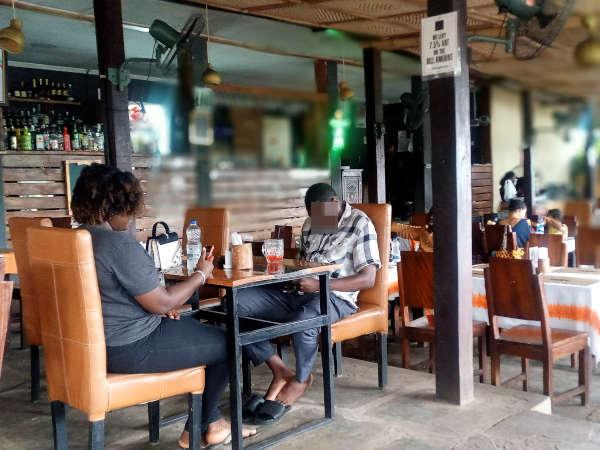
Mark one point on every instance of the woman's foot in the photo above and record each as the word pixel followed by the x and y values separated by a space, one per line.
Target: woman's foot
pixel 218 432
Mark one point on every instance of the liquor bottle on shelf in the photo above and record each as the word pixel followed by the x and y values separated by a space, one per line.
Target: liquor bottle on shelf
pixel 99 138
pixel 12 137
pixel 25 139
pixel 75 142
pixel 23 90
pixel 92 147
pixel 41 90
pixel 66 140
pixel 30 90
pixel 52 91
pixel 39 139
pixel 69 93
pixel 53 141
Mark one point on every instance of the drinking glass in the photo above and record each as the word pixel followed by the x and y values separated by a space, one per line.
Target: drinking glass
pixel 272 249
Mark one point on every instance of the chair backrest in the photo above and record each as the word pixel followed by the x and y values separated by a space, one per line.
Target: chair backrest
pixel 478 241
pixel 18 233
pixel 587 240
pixel 415 269
pixel 62 222
pixel 6 288
pixel 214 223
pixel 499 237
pixel 419 219
pixel 572 224
pixel 72 329
pixel 381 216
pixel 557 248
pixel 581 209
pixel 285 232
pixel 514 291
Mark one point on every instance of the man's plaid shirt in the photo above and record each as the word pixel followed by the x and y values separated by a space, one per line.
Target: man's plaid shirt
pixel 354 245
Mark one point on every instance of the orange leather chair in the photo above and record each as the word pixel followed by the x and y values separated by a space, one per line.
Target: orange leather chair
pixel 214 223
pixel 372 317
pixel 30 321
pixel 75 349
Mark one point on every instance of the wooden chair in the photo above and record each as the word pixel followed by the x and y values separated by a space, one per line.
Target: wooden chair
pixel 585 245
pixel 75 349
pixel 478 243
pixel 418 293
pixel 6 288
pixel 557 248
pixel 372 317
pixel 513 291
pixel 30 317
pixel 419 219
pixel 572 224
pixel 499 237
pixel 580 209
pixel 214 224
pixel 285 232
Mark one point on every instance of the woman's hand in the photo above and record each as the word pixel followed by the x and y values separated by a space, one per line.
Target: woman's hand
pixel 173 314
pixel 205 263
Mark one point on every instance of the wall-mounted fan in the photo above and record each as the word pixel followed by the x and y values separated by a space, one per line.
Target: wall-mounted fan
pixel 168 44
pixel 531 27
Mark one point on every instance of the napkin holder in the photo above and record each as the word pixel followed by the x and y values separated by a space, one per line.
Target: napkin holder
pixel 241 257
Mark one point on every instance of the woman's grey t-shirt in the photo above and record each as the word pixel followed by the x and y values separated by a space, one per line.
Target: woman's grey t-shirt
pixel 124 271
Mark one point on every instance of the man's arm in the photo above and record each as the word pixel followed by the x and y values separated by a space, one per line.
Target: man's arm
pixel 364 279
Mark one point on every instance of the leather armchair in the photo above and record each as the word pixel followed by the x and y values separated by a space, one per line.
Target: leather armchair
pixel 372 317
pixel 30 321
pixel 75 349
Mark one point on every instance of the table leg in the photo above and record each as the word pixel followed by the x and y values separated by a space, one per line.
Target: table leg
pixel 326 355
pixel 235 372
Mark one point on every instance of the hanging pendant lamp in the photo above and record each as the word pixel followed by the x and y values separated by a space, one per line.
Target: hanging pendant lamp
pixel 344 90
pixel 12 38
pixel 210 77
pixel 587 53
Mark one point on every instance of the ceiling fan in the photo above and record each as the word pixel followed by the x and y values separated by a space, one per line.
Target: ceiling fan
pixel 168 43
pixel 531 25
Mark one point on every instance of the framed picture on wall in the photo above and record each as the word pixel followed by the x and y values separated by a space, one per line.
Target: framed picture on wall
pixel 3 89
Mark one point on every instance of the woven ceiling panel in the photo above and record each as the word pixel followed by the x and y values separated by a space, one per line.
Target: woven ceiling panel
pixel 373 8
pixel 243 4
pixel 308 14
pixel 374 28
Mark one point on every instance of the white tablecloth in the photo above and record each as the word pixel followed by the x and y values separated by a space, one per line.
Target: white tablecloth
pixel 573 297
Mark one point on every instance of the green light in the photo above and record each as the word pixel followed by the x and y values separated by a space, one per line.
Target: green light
pixel 333 33
pixel 339 124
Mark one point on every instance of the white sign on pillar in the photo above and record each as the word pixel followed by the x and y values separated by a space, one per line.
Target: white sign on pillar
pixel 440 55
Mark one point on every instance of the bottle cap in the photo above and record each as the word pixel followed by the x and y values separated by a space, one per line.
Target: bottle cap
pixel 193 222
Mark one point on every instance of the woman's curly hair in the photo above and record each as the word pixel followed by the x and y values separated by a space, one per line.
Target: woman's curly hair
pixel 102 192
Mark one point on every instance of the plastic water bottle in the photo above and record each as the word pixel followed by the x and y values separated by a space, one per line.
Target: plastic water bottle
pixel 194 244
pixel 539 228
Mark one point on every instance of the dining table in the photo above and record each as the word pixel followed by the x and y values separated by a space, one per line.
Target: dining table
pixel 572 295
pixel 245 330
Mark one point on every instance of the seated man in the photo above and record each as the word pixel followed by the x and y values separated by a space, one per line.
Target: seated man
pixel 354 246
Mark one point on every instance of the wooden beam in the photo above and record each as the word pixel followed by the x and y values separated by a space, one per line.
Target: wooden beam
pixel 375 151
pixel 451 173
pixel 335 162
pixel 111 54
pixel 528 137
pixel 263 91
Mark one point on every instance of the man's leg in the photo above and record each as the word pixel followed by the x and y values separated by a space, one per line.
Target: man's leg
pixel 269 303
pixel 305 342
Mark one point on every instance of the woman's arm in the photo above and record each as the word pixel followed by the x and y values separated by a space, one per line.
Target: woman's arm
pixel 162 299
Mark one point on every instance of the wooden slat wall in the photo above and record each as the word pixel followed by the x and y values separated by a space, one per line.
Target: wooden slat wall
pixel 34 182
pixel 258 199
pixel 482 189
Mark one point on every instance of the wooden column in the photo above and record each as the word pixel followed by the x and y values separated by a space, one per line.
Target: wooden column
pixel 111 54
pixel 334 157
pixel 375 173
pixel 590 154
pixel 528 136
pixel 422 144
pixel 451 173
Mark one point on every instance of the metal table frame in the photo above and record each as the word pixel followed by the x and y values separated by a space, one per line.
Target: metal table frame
pixel 261 330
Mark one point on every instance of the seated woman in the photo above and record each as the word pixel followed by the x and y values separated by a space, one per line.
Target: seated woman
pixel 554 223
pixel 517 212
pixel 143 333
